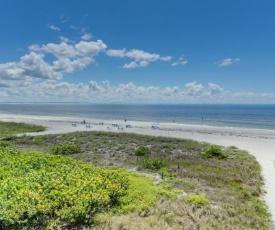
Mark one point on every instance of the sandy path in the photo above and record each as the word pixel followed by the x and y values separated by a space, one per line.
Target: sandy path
pixel 260 143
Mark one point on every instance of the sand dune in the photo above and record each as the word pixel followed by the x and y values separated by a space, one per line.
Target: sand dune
pixel 260 143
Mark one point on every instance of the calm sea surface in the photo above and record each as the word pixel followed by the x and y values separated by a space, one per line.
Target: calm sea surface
pixel 254 116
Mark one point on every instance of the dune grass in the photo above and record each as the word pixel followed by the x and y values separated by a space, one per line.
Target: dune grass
pixel 193 191
pixel 13 128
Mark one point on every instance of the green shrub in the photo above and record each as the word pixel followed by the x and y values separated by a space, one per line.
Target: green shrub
pixel 152 163
pixel 214 152
pixel 65 149
pixel 46 190
pixel 142 150
pixel 197 200
pixel 38 140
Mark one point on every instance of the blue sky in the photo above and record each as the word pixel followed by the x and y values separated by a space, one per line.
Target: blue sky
pixel 177 51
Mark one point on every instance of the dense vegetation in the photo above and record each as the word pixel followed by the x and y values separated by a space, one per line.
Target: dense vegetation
pixel 192 191
pixel 44 190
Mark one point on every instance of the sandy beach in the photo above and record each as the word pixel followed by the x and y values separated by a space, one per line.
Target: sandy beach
pixel 258 142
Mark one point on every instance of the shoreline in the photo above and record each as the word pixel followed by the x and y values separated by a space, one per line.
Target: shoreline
pixel 258 142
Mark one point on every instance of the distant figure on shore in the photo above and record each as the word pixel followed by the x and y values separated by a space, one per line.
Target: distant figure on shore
pixel 202 118
pixel 125 120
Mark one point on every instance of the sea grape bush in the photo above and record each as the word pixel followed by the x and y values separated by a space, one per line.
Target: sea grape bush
pixel 142 150
pixel 39 189
pixel 65 149
pixel 214 152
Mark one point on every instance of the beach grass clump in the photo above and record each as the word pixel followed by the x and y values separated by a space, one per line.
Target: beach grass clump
pixel 65 149
pixel 142 151
pixel 214 152
pixel 13 128
pixel 46 190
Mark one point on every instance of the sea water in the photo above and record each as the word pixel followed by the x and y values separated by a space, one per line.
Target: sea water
pixel 251 116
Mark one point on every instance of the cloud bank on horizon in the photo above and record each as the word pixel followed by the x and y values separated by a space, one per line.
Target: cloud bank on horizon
pixel 67 70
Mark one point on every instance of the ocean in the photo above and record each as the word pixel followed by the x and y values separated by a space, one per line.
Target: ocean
pixel 250 116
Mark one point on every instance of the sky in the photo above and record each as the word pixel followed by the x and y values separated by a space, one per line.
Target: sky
pixel 138 51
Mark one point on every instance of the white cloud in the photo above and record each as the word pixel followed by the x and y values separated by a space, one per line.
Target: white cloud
pixel 193 92
pixel 227 62
pixel 106 84
pixel 52 27
pixel 87 36
pixel 116 53
pixel 180 61
pixel 93 86
pixel 89 48
pixel 10 71
pixel 64 39
pixel 33 65
pixel 64 49
pixel 193 89
pixel 133 64
pixel 59 50
pixel 143 63
pixel 30 65
pixel 140 57
pixel 215 89
pixel 66 65
pixel 69 57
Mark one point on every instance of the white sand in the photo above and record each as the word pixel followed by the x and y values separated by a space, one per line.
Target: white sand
pixel 260 143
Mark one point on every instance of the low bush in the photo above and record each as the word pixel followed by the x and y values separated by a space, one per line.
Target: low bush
pixel 214 152
pixel 197 200
pixel 65 149
pixel 141 151
pixel 152 163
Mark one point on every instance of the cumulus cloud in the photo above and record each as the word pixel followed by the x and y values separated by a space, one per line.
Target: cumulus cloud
pixel 133 64
pixel 130 65
pixel 68 58
pixel 56 90
pixel 87 36
pixel 180 61
pixel 10 71
pixel 64 49
pixel 89 48
pixel 116 53
pixel 52 27
pixel 33 65
pixel 228 61
pixel 140 57
pixel 30 65
pixel 215 89
pixel 93 86
pixel 66 65
pixel 193 89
